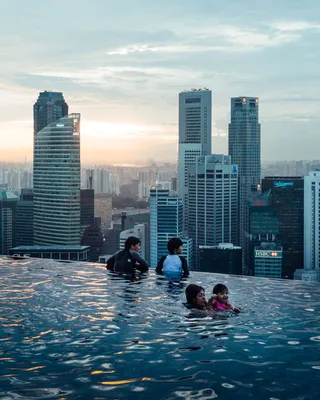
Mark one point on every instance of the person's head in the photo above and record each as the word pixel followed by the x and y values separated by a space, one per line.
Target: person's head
pixel 132 243
pixel 221 291
pixel 175 246
pixel 195 295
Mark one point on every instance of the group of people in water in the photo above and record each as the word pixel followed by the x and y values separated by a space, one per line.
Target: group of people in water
pixel 174 266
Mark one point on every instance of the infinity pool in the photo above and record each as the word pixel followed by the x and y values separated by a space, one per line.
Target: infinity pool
pixel 73 331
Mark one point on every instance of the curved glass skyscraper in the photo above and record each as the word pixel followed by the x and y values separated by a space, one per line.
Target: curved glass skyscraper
pixel 56 183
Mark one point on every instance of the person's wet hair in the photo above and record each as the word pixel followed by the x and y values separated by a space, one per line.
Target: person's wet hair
pixel 220 288
pixel 192 291
pixel 131 241
pixel 174 244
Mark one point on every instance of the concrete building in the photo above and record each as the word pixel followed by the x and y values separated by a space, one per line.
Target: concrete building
pixel 56 185
pixel 195 135
pixel 103 208
pixel 245 150
pixel 213 202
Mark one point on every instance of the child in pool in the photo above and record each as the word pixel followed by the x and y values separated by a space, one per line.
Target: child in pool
pixel 219 299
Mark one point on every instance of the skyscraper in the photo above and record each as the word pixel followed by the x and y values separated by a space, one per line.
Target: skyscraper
pixel 213 202
pixel 24 232
pixel 49 107
pixel 195 135
pixel 56 186
pixel 166 222
pixel 311 269
pixel 8 217
pixel 244 149
pixel 287 197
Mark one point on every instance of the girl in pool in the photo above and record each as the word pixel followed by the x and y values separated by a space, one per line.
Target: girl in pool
pixel 219 299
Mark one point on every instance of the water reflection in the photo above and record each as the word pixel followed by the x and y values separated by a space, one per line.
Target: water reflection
pixel 75 331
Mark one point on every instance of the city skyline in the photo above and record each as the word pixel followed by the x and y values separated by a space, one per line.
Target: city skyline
pixel 125 80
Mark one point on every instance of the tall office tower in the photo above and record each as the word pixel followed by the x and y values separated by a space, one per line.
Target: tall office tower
pixel 8 217
pixel 24 231
pixel 311 270
pixel 166 222
pixel 244 149
pixel 268 261
pixel 56 186
pixel 287 197
pixel 213 202
pixel 49 107
pixel 195 136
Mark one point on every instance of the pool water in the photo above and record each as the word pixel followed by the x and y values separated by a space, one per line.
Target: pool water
pixel 75 331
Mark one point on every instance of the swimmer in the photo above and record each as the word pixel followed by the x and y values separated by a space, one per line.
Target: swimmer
pixel 196 298
pixel 219 299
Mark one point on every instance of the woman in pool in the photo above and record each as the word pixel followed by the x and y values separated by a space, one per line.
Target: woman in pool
pixel 195 297
pixel 219 299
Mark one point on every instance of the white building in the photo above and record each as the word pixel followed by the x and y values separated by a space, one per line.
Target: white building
pixel 212 202
pixel 311 271
pixel 195 134
pixel 166 222
pixel 140 232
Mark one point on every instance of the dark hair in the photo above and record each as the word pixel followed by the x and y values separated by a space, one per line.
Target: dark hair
pixel 131 241
pixel 174 244
pixel 220 288
pixel 192 291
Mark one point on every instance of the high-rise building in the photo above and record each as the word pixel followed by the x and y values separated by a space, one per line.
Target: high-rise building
pixel 93 237
pixel 195 135
pixel 24 231
pixel 244 149
pixel 103 208
pixel 222 259
pixel 49 107
pixel 8 218
pixel 166 222
pixel 56 186
pixel 287 197
pixel 311 270
pixel 262 227
pixel 268 261
pixel 86 208
pixel 213 202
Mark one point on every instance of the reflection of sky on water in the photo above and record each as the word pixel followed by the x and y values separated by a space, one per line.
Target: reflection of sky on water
pixel 76 331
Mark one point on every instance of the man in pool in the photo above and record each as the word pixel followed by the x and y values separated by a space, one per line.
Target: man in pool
pixel 196 298
pixel 127 261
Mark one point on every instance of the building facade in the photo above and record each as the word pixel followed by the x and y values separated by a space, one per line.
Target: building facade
pixel 166 222
pixel 213 202
pixel 268 261
pixel 195 135
pixel 222 259
pixel 49 107
pixel 24 231
pixel 287 198
pixel 8 220
pixel 56 186
pixel 263 226
pixel 244 146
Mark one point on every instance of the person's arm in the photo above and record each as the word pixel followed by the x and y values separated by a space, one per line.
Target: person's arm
pixel 212 302
pixel 185 266
pixel 141 263
pixel 160 265
pixel 235 309
pixel 110 262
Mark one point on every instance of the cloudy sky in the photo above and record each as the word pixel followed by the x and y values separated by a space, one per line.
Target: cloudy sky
pixel 122 63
